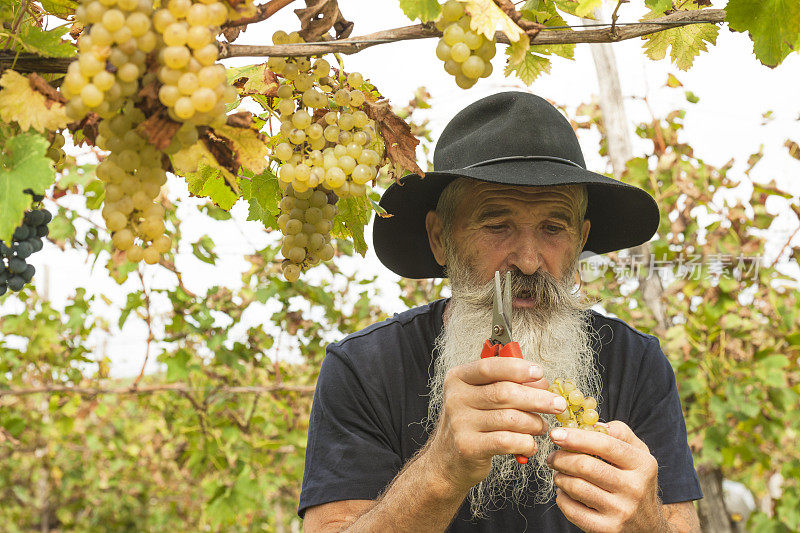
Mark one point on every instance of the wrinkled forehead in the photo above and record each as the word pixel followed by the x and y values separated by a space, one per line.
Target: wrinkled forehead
pixel 480 193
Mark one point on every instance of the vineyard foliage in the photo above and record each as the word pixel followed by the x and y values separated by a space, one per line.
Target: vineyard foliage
pixel 216 440
pixel 208 457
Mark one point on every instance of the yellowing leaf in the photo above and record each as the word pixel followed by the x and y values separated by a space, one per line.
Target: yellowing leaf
pixel 187 161
pixel 516 51
pixel 30 109
pixel 487 18
pixel 530 68
pixel 249 145
pixel 686 43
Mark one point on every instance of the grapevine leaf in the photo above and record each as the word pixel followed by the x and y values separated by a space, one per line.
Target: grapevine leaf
pixel 205 176
pixel 686 41
pixel 253 79
pixel 207 181
pixel 579 8
pixel 516 51
pixel 773 25
pixel 249 145
pixel 658 6
pixel 354 214
pixel 29 108
pixel 542 12
pixel 59 8
pixel 263 193
pixel 530 68
pixel 487 18
pixel 24 166
pixel 400 143
pixel 46 43
pixel 793 147
pixel 424 10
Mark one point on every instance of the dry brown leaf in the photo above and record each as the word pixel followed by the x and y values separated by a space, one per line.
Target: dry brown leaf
pixel 222 150
pixel 400 143
pixel 158 129
pixel 319 16
pixel 242 119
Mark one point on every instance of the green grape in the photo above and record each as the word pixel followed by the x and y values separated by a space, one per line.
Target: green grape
pixel 459 52
pixel 473 67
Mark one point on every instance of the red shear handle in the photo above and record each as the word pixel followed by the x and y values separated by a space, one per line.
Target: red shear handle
pixel 503 350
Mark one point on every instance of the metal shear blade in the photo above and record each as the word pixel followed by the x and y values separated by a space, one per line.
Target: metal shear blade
pixel 501 316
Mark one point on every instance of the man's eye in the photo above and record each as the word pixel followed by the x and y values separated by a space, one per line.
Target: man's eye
pixel 552 228
pixel 496 227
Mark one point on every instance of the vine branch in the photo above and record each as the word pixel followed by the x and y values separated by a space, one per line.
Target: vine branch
pixel 351 45
pixel 152 389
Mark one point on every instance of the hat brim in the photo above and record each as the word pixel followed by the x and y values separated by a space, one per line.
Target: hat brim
pixel 622 216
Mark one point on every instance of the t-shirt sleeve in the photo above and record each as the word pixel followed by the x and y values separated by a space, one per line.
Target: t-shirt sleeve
pixel 657 420
pixel 349 455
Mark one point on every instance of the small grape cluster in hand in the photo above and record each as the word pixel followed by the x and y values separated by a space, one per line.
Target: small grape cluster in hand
pixel 581 411
pixel 15 272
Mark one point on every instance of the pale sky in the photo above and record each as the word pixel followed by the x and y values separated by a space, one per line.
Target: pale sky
pixel 734 91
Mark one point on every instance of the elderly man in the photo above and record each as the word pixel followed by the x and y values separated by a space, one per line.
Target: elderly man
pixel 412 431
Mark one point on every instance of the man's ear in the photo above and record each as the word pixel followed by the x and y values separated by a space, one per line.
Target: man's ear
pixel 433 223
pixel 584 233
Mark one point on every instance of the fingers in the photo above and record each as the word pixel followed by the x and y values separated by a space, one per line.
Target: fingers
pixel 578 465
pixel 585 518
pixel 508 395
pixel 611 449
pixel 585 492
pixel 492 369
pixel 623 432
pixel 509 420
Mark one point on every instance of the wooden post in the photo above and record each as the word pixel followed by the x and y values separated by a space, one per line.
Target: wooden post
pixel 713 514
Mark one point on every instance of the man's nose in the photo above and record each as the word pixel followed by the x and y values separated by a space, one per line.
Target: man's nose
pixel 525 255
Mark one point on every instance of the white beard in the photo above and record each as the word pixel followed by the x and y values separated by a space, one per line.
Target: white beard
pixel 556 336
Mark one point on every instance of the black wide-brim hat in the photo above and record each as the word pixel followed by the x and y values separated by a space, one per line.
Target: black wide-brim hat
pixel 514 138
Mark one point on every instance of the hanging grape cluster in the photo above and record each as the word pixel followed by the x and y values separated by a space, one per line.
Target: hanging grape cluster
pixel 467 55
pixel 113 54
pixel 338 149
pixel 15 272
pixel 306 221
pixel 581 411
pixel 127 45
pixel 328 148
pixel 195 88
pixel 133 177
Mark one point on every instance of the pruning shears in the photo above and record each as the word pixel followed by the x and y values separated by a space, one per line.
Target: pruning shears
pixel 499 343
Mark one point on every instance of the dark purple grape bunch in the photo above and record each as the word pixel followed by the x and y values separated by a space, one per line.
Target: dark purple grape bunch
pixel 15 272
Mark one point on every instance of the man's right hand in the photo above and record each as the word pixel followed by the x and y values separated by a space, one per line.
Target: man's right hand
pixel 489 407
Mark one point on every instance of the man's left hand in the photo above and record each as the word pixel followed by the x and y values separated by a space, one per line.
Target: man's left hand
pixel 616 490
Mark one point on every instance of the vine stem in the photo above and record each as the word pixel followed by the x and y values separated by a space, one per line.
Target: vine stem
pixel 34 63
pixel 352 45
pixel 148 319
pixel 151 389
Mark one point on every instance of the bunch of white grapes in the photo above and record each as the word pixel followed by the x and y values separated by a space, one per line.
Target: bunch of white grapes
pixel 133 177
pixel 113 53
pixel 306 221
pixel 581 411
pixel 467 55
pixel 337 149
pixel 194 87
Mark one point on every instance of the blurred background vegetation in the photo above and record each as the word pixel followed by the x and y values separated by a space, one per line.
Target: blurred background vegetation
pixel 216 440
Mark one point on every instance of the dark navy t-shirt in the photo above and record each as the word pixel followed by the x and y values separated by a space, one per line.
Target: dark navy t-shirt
pixel 371 398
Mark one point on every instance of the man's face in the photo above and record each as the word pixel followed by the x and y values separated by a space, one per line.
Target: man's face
pixel 500 227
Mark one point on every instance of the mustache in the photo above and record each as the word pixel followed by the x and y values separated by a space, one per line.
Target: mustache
pixel 541 286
